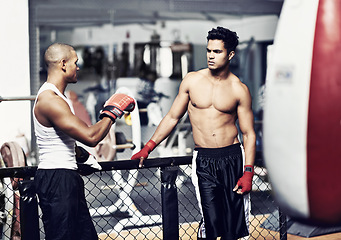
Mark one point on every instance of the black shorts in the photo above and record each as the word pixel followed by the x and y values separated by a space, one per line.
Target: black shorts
pixel 218 170
pixel 62 201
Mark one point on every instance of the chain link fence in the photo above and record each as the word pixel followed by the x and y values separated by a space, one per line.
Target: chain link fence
pixel 126 203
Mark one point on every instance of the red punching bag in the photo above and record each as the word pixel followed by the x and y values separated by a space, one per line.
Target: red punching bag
pixel 302 113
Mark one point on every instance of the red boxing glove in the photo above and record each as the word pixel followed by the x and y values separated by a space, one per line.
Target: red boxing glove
pixel 245 182
pixel 144 152
pixel 116 104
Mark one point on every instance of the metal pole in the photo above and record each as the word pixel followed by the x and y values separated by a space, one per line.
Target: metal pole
pixel 169 198
pixel 34 65
pixel 22 98
pixel 282 225
pixel 29 214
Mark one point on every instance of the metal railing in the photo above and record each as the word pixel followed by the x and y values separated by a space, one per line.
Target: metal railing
pixel 156 202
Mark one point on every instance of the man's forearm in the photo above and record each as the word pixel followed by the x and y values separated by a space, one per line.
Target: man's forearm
pixel 164 129
pixel 249 148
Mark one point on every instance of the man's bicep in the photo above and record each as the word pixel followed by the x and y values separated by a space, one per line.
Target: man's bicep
pixel 179 106
pixel 61 116
pixel 245 119
pixel 245 113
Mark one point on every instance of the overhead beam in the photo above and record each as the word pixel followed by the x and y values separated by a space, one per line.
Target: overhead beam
pixel 89 12
pixel 222 6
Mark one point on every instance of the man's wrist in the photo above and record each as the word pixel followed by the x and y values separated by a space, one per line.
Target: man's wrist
pixel 150 145
pixel 248 168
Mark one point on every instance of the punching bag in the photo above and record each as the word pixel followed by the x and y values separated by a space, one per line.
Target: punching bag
pixel 302 112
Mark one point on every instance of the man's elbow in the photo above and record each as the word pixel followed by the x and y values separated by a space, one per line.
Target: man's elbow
pixel 91 141
pixel 250 136
pixel 92 144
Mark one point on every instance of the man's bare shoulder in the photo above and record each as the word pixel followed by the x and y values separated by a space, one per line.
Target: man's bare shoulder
pixel 48 102
pixel 238 84
pixel 203 73
pixel 241 90
pixel 47 97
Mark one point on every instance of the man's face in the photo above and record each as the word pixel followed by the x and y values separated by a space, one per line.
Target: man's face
pixel 72 68
pixel 217 55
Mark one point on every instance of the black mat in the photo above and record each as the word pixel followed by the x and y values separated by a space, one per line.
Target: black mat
pixel 297 228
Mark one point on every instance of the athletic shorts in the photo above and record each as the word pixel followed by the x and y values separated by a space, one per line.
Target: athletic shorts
pixel 62 201
pixel 218 170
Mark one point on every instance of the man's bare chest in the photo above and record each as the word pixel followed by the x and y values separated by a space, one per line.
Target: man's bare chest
pixel 219 98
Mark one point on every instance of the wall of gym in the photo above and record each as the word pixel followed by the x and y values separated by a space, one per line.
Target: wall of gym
pixel 15 65
pixel 14 68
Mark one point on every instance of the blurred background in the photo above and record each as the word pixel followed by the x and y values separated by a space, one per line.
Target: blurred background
pixel 145 45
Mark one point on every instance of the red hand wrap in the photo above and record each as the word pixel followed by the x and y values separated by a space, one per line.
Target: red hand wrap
pixel 144 152
pixel 245 182
pixel 116 104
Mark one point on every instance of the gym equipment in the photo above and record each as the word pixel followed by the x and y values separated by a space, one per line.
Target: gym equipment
pixel 115 106
pixel 112 143
pixel 302 112
pixel 21 98
pixel 170 207
pixel 13 156
pixel 297 228
pixel 122 143
pixel 125 186
pixel 29 213
pixel 132 223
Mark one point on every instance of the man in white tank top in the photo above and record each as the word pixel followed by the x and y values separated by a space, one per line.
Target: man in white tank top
pixel 59 186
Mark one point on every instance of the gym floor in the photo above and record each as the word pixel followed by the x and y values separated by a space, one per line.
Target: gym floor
pixel 259 214
pixel 257 233
pixel 262 207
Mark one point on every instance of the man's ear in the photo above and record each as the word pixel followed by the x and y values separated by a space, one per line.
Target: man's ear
pixel 63 64
pixel 231 55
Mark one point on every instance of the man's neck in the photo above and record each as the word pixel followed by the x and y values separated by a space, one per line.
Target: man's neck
pixel 220 74
pixel 60 85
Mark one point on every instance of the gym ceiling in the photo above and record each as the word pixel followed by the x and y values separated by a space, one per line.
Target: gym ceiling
pixel 78 13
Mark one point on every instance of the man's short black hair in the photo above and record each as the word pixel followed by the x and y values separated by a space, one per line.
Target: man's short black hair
pixel 229 37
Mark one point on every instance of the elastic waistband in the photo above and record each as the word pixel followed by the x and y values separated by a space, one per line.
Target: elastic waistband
pixel 56 170
pixel 234 148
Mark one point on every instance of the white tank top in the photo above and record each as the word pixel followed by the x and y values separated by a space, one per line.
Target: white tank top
pixel 56 149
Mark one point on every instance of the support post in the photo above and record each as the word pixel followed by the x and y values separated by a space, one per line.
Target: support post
pixel 283 228
pixel 29 216
pixel 169 196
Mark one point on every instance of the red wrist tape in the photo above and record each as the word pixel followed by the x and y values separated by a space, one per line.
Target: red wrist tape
pixel 150 145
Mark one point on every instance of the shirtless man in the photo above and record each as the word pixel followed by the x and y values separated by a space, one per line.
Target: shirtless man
pixel 58 184
pixel 214 99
